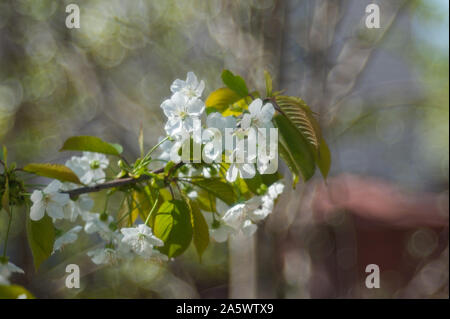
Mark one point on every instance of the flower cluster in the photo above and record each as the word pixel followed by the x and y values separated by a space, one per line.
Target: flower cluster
pixel 243 217
pixel 184 109
pixel 120 244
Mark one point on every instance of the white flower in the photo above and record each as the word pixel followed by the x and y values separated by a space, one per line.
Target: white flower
pixel 49 200
pixel 245 170
pixel 192 88
pixel 141 240
pixel 6 269
pixel 103 256
pixel 89 168
pixel 259 116
pixel 73 209
pixel 215 133
pixel 266 157
pixel 236 217
pixel 275 190
pixel 244 166
pixel 69 237
pixel 181 112
pixel 267 202
pixel 96 223
pixel 218 229
pixel 240 216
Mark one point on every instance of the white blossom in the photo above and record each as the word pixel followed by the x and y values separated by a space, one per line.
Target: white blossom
pixel 103 256
pixel 49 200
pixel 215 133
pixel 191 88
pixel 267 202
pixel 260 115
pixel 181 112
pixel 78 207
pixel 89 168
pixel 73 209
pixel 240 216
pixel 245 170
pixel 97 223
pixel 67 238
pixel 218 229
pixel 141 240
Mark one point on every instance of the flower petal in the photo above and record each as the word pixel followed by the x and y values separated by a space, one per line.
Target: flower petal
pixel 255 107
pixel 37 211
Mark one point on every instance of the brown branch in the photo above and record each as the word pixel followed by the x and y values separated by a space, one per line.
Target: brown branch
pixel 115 183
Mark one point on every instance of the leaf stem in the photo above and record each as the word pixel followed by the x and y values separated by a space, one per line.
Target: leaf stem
pixel 152 210
pixel 156 146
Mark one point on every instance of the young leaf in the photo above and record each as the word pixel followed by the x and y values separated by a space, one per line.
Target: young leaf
pixel 299 149
pixel 91 144
pixel 268 83
pixel 296 110
pixel 56 171
pixel 324 158
pixel 235 83
pixel 220 99
pixel 206 201
pixel 172 224
pixel 218 188
pixel 41 237
pixel 200 229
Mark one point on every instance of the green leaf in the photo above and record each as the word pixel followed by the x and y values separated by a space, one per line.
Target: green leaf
pixel 254 183
pixel 294 143
pixel 200 229
pixel 287 157
pixel 235 83
pixel 268 79
pixel 206 201
pixel 13 292
pixel 324 158
pixel 172 224
pixel 301 116
pixel 41 237
pixel 56 171
pixel 218 188
pixel 91 144
pixel 221 99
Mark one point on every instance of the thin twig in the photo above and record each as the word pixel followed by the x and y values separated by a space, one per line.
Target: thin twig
pixel 114 183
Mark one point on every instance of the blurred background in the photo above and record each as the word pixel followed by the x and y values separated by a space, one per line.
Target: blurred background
pixel 382 99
